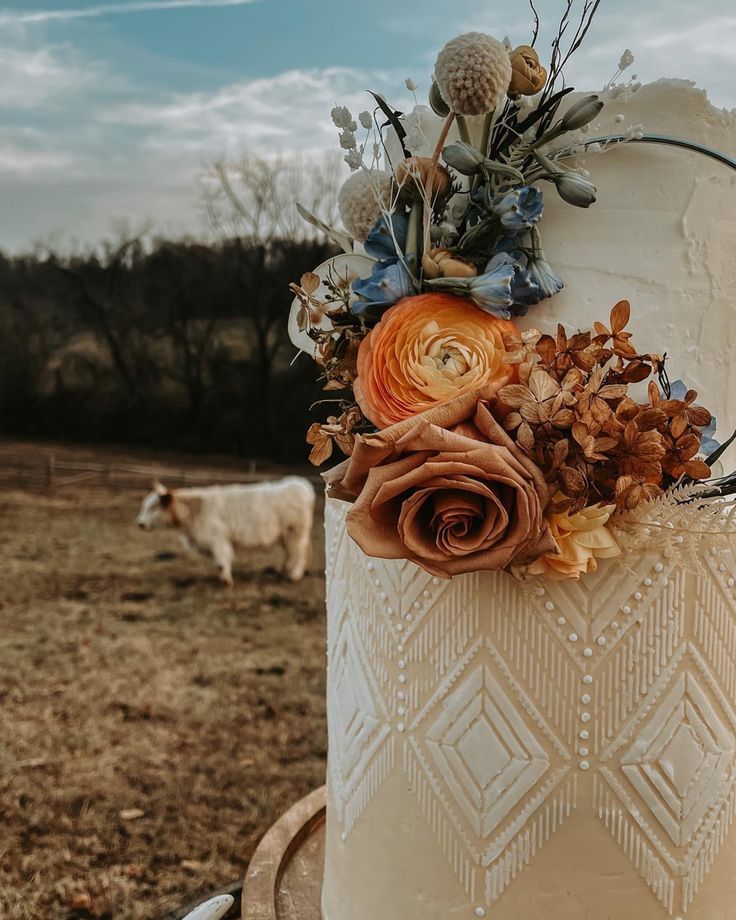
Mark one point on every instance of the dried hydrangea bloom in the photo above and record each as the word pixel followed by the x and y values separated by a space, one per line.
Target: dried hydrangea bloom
pixel 360 201
pixel 473 72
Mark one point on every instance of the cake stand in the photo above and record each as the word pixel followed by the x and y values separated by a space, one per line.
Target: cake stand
pixel 284 878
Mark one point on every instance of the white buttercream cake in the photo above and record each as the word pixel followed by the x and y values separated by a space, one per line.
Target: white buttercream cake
pixel 558 750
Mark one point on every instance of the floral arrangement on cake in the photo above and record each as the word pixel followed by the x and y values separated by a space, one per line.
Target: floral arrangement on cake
pixel 473 445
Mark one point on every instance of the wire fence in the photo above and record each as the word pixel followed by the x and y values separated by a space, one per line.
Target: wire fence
pixel 48 471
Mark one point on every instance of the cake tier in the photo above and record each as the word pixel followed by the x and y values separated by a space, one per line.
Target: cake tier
pixel 662 235
pixel 546 751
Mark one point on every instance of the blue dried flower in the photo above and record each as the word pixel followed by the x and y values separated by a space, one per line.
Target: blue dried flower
pixel 523 289
pixel 388 283
pixel 544 277
pixel 708 443
pixel 379 243
pixel 490 291
pixel 519 209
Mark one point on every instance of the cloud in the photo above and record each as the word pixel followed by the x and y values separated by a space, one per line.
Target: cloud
pixel 16 17
pixel 88 137
pixel 22 162
pixel 286 113
pixel 31 77
pixel 140 160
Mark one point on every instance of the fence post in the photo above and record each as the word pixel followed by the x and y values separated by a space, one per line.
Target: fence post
pixel 50 469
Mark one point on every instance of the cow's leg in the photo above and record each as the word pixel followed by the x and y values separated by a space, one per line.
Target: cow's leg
pixel 222 552
pixel 285 548
pixel 297 552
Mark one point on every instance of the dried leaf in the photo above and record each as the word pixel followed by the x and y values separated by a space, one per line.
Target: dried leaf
pixel 514 395
pixel 546 349
pixel 310 282
pixel 565 418
pixel 572 481
pixel 525 437
pixel 679 425
pixel 346 443
pixel 560 452
pixel 344 241
pixel 697 469
pixel 699 417
pixel 620 316
pixel 314 434
pixel 321 452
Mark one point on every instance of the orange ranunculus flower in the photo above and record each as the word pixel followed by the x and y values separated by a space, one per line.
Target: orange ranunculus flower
pixel 581 540
pixel 427 350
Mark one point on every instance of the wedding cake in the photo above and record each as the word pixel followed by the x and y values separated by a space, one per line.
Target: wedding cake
pixel 531 579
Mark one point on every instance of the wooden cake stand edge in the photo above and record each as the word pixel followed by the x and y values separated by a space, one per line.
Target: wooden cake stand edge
pixel 278 848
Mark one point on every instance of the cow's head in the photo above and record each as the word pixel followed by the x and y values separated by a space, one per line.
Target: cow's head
pixel 158 500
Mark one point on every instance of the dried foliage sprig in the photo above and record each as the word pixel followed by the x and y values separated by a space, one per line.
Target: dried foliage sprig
pixel 572 413
pixel 683 523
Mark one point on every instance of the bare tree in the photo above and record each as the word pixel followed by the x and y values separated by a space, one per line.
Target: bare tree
pixel 254 197
pixel 98 294
pixel 252 202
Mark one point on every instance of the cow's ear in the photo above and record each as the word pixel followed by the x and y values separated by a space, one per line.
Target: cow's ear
pixel 159 488
pixel 165 498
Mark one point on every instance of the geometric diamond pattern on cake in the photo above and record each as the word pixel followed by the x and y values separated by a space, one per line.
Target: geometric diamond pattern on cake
pixel 673 774
pixel 487 757
pixel 507 724
pixel 486 766
pixel 402 592
pixel 358 725
pixel 592 603
pixel 680 760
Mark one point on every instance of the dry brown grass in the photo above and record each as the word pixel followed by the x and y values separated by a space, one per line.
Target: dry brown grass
pixel 126 683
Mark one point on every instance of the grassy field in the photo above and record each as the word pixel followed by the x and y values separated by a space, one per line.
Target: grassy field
pixel 150 735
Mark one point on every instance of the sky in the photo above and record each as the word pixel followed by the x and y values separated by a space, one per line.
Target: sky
pixel 110 111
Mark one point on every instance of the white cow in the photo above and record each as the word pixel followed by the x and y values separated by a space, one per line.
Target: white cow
pixel 219 519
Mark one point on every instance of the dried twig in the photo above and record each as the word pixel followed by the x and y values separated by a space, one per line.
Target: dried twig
pixel 535 33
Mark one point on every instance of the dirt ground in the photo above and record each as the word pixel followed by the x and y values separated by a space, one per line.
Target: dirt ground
pixel 148 734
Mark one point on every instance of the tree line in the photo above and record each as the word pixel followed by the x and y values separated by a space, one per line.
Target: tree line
pixel 178 344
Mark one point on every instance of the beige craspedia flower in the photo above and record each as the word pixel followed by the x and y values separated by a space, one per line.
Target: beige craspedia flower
pixel 473 72
pixel 360 201
pixel 443 263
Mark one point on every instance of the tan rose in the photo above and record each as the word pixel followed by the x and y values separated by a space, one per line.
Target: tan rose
pixel 527 74
pixel 448 490
pixel 581 540
pixel 442 263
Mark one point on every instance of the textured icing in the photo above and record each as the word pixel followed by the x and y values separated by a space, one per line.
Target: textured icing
pixel 570 752
pixel 662 234
pixel 565 750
